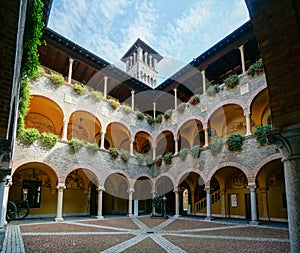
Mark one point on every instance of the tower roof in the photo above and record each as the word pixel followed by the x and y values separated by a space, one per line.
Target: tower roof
pixel 144 46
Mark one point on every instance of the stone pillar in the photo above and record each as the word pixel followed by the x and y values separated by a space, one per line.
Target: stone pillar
pixel 223 203
pixel 130 193
pixel 176 146
pixel 192 202
pixel 132 100
pixel 175 98
pixel 102 140
pixel 264 205
pixel 176 191
pixel 254 220
pixel 131 61
pixel 288 141
pixel 146 57
pixel 241 48
pixel 248 124
pixel 140 54
pixel 60 192
pixel 134 57
pixel 70 70
pixel 150 61
pixel 208 204
pixel 153 206
pixel 100 197
pixel 206 137
pixel 203 81
pixel 131 146
pixel 105 87
pixel 154 110
pixel 154 152
pixel 64 136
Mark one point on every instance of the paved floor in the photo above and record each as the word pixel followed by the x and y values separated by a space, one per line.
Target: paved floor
pixel 143 234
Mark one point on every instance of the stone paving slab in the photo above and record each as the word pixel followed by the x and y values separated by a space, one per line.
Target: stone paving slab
pixel 13 242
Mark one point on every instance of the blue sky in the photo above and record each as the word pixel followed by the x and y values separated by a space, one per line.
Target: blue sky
pixel 179 30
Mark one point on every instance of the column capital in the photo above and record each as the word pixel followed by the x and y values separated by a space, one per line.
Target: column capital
pixel 176 190
pixel 131 190
pixel 103 132
pixel 100 188
pixel 287 140
pixel 208 189
pixel 251 186
pixel 71 60
pixel 61 186
pixel 241 47
pixel 132 92
pixel 105 78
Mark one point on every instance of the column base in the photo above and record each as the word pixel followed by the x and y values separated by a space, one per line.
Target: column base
pixel 176 216
pixel 100 217
pixel 59 219
pixel 130 215
pixel 254 223
pixel 209 218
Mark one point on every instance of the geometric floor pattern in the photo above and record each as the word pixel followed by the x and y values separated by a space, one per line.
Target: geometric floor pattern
pixel 144 234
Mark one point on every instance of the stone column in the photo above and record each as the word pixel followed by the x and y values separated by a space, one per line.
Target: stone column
pixel 176 191
pixel 153 206
pixel 154 110
pixel 102 140
pixel 105 87
pixel 264 204
pixel 241 48
pixel 176 146
pixel 64 136
pixel 132 100
pixel 175 98
pixel 206 137
pixel 203 81
pixel 100 197
pixel 288 141
pixel 254 220
pixel 154 152
pixel 150 61
pixel 127 65
pixel 131 61
pixel 146 57
pixel 130 193
pixel 155 63
pixel 134 57
pixel 70 70
pixel 248 124
pixel 131 146
pixel 60 191
pixel 223 203
pixel 208 204
pixel 140 54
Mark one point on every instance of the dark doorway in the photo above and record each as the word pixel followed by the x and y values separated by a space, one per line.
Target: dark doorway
pixel 93 200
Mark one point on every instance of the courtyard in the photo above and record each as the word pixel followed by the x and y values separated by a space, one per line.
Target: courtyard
pixel 144 234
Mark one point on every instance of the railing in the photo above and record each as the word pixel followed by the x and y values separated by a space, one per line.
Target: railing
pixel 201 205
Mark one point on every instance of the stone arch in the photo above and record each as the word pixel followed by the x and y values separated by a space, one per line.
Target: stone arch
pixel 124 174
pixel 142 130
pixel 124 132
pixel 194 170
pixel 264 162
pixel 201 119
pixel 169 176
pixel 163 130
pixel 132 182
pixel 253 96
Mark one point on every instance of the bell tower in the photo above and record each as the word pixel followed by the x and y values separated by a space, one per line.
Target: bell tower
pixel 141 63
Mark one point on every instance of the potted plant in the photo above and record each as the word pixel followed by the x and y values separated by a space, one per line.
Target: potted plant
pixel 57 79
pixel 256 68
pixel 114 103
pixel 168 113
pixel 49 139
pixel 181 107
pixel 127 108
pixel 213 90
pixel 30 135
pixel 124 155
pixel 261 134
pixel 158 160
pixel 140 115
pixel 114 152
pixel 149 119
pixel 168 157
pixel 80 88
pixel 158 118
pixel 149 160
pixel 183 153
pixel 194 100
pixel 93 147
pixel 231 81
pixel 97 95
pixel 235 142
pixel 38 73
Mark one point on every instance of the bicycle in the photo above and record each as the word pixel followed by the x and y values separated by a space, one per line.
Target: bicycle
pixel 17 210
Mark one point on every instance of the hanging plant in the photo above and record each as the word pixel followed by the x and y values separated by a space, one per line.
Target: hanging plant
pixel 158 118
pixel 168 157
pixel 149 160
pixel 140 115
pixel 140 158
pixel 30 135
pixel 213 90
pixel 49 139
pixel 114 103
pixel 196 150
pixel 181 107
pixel 235 142
pixel 231 81
pixel 80 88
pixel 75 144
pixel 97 95
pixel 168 114
pixel 194 99
pixel 216 147
pixel 38 73
pixel 149 119
pixel 127 108
pixel 183 153
pixel 93 147
pixel 256 68
pixel 124 155
pixel 114 152
pixel 261 134
pixel 57 79
pixel 158 160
